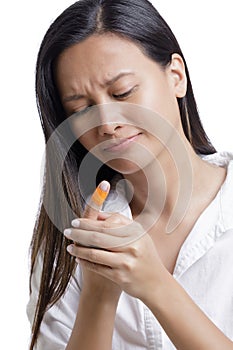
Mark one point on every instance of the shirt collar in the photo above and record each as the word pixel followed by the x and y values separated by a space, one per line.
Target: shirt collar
pixel 214 221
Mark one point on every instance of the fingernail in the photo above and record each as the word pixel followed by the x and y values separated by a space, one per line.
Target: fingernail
pixel 67 232
pixel 75 223
pixel 104 186
pixel 69 248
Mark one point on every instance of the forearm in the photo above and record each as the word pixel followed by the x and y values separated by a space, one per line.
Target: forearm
pixel 183 321
pixel 94 324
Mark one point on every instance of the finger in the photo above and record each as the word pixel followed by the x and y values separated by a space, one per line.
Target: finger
pixel 112 239
pixel 93 238
pixel 104 221
pixel 103 215
pixel 103 226
pixel 104 234
pixel 97 199
pixel 114 218
pixel 102 270
pixel 103 257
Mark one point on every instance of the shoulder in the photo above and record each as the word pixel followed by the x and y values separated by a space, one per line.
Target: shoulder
pixel 227 198
pixel 225 159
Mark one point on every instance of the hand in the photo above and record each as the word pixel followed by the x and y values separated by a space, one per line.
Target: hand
pixel 92 282
pixel 131 259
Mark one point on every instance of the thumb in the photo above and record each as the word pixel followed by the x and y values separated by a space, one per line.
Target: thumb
pixel 97 199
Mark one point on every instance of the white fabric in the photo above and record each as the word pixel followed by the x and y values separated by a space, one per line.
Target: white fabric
pixel 204 268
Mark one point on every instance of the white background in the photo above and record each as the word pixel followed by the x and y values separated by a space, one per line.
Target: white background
pixel 204 30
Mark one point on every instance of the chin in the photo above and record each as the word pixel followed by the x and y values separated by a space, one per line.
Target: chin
pixel 125 167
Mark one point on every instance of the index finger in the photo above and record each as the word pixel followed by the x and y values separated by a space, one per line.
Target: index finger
pixel 97 200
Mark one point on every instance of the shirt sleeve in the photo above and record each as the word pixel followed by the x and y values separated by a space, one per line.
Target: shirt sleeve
pixel 58 321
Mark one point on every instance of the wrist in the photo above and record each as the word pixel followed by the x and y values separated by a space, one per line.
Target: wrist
pixel 104 295
pixel 157 289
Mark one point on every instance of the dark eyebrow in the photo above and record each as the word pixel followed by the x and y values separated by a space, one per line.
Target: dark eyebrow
pixel 113 80
pixel 106 83
pixel 72 98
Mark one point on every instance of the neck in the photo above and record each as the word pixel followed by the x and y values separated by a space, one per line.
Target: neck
pixel 172 185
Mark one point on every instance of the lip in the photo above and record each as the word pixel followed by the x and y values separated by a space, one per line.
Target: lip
pixel 121 144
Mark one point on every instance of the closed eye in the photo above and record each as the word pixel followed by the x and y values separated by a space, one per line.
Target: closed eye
pixel 82 111
pixel 125 94
pixel 120 97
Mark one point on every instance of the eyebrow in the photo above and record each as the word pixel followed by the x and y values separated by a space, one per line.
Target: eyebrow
pixel 76 97
pixel 117 77
pixel 72 98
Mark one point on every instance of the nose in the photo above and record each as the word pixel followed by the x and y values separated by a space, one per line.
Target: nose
pixel 108 129
pixel 109 119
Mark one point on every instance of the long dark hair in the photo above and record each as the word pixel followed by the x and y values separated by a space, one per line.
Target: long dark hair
pixel 138 21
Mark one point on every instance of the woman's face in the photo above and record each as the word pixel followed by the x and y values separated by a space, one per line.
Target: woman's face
pixel 106 68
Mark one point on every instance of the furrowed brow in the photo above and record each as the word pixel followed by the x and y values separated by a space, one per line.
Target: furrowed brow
pixel 114 79
pixel 77 97
pixel 73 98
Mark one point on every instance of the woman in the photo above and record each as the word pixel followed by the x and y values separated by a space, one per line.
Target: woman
pixel 113 74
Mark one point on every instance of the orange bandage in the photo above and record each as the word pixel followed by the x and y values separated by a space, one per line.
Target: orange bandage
pixel 99 196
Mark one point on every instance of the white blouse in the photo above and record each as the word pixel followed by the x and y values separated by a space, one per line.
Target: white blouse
pixel 204 268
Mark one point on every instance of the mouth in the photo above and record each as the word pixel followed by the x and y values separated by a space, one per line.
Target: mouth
pixel 121 143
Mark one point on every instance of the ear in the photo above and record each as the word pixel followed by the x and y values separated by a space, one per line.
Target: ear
pixel 178 75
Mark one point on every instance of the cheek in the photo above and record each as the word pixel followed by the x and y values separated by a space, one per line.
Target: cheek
pixel 88 140
pixel 160 98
